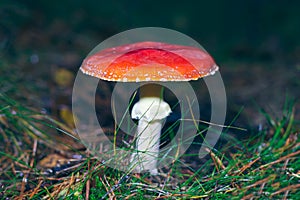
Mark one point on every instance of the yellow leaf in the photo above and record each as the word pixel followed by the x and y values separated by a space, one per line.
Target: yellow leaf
pixel 67 116
pixel 63 77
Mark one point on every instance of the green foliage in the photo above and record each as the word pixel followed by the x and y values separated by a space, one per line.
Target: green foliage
pixel 263 166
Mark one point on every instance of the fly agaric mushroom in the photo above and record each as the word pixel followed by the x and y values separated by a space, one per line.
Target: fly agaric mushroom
pixel 149 62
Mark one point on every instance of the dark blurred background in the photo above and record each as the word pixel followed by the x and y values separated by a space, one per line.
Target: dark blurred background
pixel 256 43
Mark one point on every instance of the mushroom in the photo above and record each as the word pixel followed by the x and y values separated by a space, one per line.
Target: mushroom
pixel 149 62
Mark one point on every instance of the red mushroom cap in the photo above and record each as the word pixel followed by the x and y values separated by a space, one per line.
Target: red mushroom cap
pixel 149 61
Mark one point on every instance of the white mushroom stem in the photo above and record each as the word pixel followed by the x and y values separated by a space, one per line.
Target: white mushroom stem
pixel 150 110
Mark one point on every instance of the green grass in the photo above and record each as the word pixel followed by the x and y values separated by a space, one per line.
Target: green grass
pixel 265 165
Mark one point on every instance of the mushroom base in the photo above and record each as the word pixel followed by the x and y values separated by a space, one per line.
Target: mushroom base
pixel 147 146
